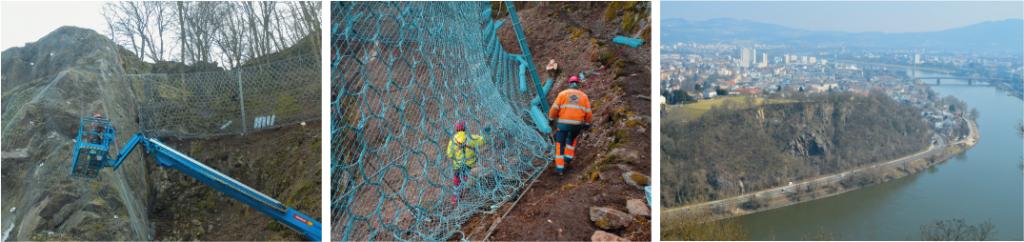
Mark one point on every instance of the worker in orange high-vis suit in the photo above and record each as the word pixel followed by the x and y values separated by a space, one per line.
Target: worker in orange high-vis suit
pixel 571 111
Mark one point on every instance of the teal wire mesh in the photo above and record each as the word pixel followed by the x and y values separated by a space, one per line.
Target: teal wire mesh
pixel 402 74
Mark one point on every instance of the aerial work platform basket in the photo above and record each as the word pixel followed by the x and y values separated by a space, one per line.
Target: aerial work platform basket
pixel 91 147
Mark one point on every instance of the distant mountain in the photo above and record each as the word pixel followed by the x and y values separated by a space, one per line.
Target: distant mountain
pixel 991 35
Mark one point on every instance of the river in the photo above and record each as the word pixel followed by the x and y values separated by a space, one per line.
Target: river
pixel 985 183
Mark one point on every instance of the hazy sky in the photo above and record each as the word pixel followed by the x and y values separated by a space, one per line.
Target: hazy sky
pixel 23 22
pixel 890 17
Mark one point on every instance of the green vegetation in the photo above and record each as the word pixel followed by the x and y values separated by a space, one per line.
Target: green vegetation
pixel 696 226
pixel 640 179
pixel 593 171
pixel 765 144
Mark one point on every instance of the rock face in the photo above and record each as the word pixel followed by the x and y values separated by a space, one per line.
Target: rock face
pixel 636 179
pixel 605 236
pixel 638 207
pixel 48 86
pixel 609 218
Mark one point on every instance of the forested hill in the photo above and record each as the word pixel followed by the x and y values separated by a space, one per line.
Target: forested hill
pixel 749 147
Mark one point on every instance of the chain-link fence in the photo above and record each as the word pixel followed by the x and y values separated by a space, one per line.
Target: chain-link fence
pixel 229 102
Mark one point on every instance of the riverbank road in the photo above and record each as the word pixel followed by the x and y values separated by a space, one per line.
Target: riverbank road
pixel 790 188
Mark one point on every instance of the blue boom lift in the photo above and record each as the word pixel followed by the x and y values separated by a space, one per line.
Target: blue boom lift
pixel 91 156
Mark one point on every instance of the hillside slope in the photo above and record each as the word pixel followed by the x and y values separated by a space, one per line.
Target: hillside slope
pixel 737 148
pixel 556 207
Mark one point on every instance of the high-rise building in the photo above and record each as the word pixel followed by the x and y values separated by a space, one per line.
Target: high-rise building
pixel 745 57
pixel 803 58
pixel 812 59
pixel 764 57
pixel 786 58
pixel 917 58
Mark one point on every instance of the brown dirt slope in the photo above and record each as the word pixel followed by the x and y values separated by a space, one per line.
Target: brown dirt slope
pixel 283 163
pixel 557 207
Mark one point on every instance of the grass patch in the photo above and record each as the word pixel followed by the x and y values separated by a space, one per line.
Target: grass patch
pixel 622 136
pixel 635 122
pixel 699 108
pixel 595 169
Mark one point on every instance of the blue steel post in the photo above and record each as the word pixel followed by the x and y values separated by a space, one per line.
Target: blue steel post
pixel 526 53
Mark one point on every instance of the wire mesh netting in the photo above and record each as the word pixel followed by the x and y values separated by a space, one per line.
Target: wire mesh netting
pixel 403 74
pixel 230 102
pixel 45 197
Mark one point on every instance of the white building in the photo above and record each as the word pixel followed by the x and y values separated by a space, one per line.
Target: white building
pixel 746 56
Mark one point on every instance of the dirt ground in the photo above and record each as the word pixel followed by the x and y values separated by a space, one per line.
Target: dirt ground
pixel 283 163
pixel 557 206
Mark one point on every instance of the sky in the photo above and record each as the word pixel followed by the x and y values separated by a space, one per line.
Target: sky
pixel 23 22
pixel 888 17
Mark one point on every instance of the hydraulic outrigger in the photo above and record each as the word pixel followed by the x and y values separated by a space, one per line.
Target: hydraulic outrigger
pixel 91 156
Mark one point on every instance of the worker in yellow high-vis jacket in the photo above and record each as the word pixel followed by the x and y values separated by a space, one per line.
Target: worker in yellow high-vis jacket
pixel 462 150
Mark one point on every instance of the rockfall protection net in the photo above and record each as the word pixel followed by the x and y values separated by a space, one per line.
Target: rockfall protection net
pixel 229 102
pixel 111 206
pixel 403 74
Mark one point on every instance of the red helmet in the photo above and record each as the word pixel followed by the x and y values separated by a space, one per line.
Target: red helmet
pixel 460 125
pixel 573 79
pixel 97 116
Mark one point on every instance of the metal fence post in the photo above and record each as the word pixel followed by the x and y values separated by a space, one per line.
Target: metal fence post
pixel 241 99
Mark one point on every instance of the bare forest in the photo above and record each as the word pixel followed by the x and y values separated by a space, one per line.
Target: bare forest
pixel 221 33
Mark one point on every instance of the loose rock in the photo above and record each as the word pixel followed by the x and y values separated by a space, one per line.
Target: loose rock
pixel 636 179
pixel 605 236
pixel 609 218
pixel 638 207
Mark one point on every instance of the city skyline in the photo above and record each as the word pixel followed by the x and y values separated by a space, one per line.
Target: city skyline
pixel 837 16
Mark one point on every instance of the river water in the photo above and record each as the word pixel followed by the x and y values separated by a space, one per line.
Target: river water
pixel 985 183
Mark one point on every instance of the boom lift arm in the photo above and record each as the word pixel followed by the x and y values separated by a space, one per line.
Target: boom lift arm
pixel 169 157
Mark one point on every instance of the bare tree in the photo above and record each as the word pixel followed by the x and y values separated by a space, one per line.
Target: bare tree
pixel 231 38
pixel 310 16
pixel 129 22
pixel 259 19
pixel 181 29
pixel 225 32
pixel 161 22
pixel 956 230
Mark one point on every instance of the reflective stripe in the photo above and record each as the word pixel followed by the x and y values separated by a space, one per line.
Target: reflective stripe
pixel 576 107
pixel 570 121
pixel 559 157
pixel 557 107
pixel 570 147
pixel 568 156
